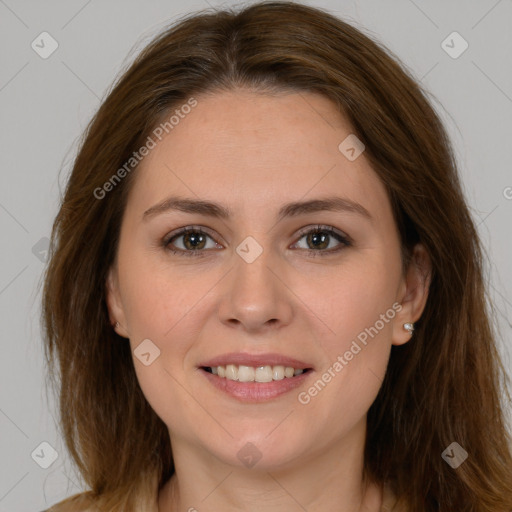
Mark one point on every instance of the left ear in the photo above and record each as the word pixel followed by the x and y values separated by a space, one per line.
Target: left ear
pixel 413 294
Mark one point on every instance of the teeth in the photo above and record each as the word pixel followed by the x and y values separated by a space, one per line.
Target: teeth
pixel 278 373
pixel 245 373
pixel 231 372
pixel 263 374
pixel 252 374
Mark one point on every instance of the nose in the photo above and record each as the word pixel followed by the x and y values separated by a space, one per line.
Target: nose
pixel 256 297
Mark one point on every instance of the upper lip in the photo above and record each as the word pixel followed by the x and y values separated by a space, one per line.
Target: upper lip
pixel 256 360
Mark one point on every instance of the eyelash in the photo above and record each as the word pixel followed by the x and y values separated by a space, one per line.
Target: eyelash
pixel 345 242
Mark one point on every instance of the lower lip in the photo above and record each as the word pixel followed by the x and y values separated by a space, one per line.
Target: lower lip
pixel 256 391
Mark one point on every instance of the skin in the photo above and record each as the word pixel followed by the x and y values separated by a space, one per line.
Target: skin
pixel 252 153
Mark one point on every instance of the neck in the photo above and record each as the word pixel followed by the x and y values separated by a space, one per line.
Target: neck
pixel 330 480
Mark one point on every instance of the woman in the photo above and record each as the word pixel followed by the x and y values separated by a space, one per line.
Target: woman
pixel 265 289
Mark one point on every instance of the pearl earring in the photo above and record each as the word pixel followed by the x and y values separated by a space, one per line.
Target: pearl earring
pixel 409 326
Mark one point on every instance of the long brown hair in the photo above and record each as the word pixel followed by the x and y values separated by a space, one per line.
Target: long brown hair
pixel 444 386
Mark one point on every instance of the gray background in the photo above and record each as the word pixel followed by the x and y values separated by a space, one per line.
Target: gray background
pixel 46 103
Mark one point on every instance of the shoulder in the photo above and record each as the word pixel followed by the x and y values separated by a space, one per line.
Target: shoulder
pixel 86 502
pixel 77 503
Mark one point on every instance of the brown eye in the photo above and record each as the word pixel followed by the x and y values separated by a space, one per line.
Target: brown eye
pixel 319 238
pixel 193 242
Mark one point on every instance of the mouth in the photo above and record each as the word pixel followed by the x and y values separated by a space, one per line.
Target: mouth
pixel 255 378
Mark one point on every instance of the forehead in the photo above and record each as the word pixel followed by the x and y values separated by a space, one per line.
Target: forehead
pixel 253 151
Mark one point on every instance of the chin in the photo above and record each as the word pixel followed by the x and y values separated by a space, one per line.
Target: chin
pixel 260 452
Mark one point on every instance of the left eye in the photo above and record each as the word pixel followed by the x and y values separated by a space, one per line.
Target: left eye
pixel 320 236
pixel 194 241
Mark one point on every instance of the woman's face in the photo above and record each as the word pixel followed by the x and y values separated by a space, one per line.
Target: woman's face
pixel 261 281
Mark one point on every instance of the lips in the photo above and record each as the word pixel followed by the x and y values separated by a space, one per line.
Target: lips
pixel 255 360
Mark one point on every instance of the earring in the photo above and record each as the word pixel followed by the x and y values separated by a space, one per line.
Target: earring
pixel 116 325
pixel 409 326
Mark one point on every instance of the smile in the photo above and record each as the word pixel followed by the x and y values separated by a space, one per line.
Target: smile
pixel 252 390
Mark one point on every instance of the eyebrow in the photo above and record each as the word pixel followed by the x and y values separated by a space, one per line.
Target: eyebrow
pixel 212 209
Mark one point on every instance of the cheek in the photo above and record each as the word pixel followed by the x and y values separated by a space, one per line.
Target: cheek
pixel 157 295
pixel 165 308
pixel 355 337
pixel 354 300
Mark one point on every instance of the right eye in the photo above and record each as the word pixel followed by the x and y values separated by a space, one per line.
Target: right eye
pixel 194 241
